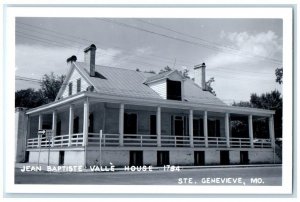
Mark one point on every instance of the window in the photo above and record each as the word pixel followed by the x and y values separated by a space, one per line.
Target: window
pixel 78 85
pixel 135 158
pixel 163 158
pixel 130 123
pixel 198 127
pixel 153 126
pixel 199 158
pixel 213 128
pixel 224 157
pixel 173 90
pixel 70 88
pixel 91 123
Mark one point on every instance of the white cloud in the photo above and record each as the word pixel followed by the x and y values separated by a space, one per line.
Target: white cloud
pixel 247 47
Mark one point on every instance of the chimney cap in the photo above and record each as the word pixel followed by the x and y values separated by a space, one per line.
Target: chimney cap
pixel 73 58
pixel 200 66
pixel 91 47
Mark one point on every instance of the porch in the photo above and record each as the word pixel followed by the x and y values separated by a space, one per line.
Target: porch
pixel 144 124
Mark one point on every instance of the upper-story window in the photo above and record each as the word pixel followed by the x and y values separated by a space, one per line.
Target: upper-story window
pixel 173 90
pixel 70 88
pixel 78 85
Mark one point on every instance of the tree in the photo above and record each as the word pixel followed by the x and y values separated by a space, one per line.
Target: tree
pixel 29 98
pixel 279 74
pixel 209 86
pixel 50 86
pixel 165 69
pixel 271 101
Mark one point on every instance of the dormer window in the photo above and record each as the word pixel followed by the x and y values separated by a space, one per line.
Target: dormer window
pixel 70 88
pixel 173 90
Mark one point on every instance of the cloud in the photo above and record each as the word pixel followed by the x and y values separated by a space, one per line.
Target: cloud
pixel 247 47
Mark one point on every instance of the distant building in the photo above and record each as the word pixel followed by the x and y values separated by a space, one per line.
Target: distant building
pixel 146 119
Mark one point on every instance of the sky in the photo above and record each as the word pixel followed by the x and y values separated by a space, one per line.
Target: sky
pixel 241 54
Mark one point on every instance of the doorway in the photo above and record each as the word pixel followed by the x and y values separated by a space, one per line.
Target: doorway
pixel 153 126
pixel 199 158
pixel 136 158
pixel 163 158
pixel 224 158
pixel 244 157
pixel 61 158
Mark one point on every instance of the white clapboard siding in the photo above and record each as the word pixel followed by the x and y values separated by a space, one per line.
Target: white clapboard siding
pixel 73 79
pixel 160 87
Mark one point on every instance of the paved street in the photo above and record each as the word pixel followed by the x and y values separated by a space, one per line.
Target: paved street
pixel 201 176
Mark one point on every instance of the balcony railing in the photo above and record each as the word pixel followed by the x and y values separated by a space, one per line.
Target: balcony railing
pixel 138 140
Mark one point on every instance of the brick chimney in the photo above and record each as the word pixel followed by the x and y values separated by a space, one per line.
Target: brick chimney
pixel 199 71
pixel 90 58
pixel 71 59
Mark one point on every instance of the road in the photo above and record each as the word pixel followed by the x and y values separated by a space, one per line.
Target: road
pixel 202 176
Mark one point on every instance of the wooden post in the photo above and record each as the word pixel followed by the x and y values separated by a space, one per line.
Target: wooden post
pixel 85 121
pixel 71 121
pixel 40 127
pixel 227 130
pixel 54 119
pixel 271 131
pixel 191 128
pixel 205 128
pixel 158 126
pixel 250 126
pixel 121 125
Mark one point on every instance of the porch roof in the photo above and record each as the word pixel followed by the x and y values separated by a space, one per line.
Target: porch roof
pixel 150 102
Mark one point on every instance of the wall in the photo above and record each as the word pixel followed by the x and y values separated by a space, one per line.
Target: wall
pixel 21 122
pixel 160 87
pixel 212 157
pixel 181 157
pixel 75 75
pixel 234 157
pixel 53 159
pixel 74 158
pixel 256 157
pixel 117 158
pixel 150 157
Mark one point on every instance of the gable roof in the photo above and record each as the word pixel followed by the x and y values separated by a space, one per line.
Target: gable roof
pixel 163 75
pixel 131 83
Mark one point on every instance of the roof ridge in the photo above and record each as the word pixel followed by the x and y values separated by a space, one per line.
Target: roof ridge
pixel 118 68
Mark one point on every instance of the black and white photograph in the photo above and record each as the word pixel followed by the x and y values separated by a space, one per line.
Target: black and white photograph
pixel 144 99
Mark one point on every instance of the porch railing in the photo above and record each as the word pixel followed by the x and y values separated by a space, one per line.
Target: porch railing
pixel 139 140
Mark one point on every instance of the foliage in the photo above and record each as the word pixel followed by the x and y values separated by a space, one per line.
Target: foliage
pixel 28 98
pixel 31 98
pixel 270 101
pixel 209 86
pixel 50 86
pixel 279 74
pixel 165 69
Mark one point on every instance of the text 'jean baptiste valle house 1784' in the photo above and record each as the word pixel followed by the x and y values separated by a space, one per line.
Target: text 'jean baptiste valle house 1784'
pixel 146 119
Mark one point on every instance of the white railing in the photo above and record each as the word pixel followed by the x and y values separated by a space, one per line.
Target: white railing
pixel 240 142
pixel 138 140
pixel 262 143
pixel 175 141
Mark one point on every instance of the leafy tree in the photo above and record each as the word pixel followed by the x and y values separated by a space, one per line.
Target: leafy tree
pixel 31 98
pixel 279 74
pixel 209 86
pixel 271 101
pixel 28 98
pixel 165 69
pixel 50 86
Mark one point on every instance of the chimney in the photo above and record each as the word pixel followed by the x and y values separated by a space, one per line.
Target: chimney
pixel 90 58
pixel 200 75
pixel 71 59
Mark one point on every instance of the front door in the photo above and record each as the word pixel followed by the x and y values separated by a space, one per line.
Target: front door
pixel 136 158
pixel 153 126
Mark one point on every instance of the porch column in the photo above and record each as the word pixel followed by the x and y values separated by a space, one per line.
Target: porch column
pixel 40 122
pixel 205 128
pixel 54 119
pixel 121 124
pixel 158 126
pixel 271 131
pixel 191 128
pixel 71 121
pixel 250 126
pixel 85 121
pixel 227 130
